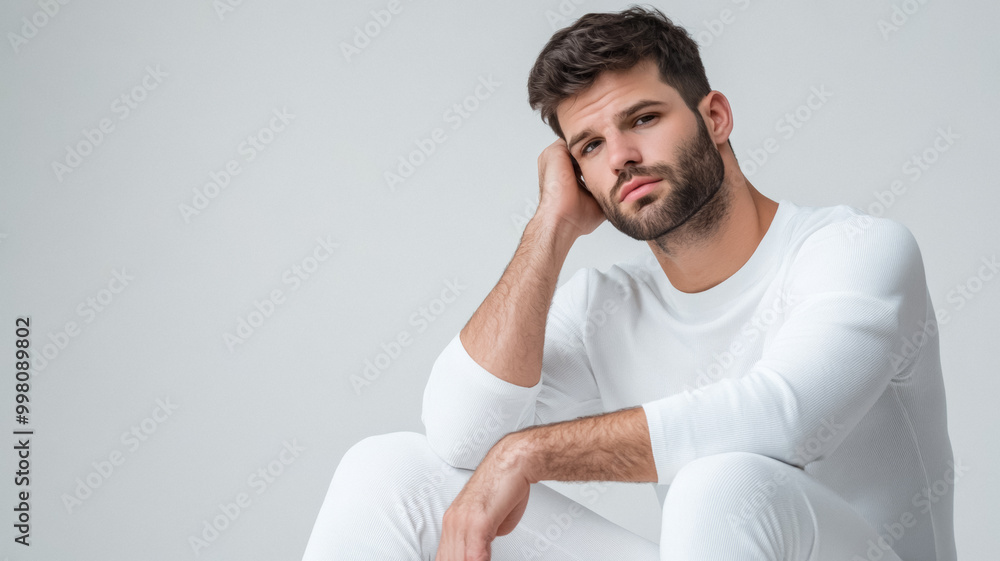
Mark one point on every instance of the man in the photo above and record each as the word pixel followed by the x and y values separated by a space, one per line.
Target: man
pixel 774 368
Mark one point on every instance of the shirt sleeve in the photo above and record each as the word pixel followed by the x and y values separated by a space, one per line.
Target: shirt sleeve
pixel 857 296
pixel 467 409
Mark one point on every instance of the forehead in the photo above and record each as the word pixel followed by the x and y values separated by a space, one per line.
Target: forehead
pixel 612 92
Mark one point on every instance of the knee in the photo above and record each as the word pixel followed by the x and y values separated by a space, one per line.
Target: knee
pixel 402 460
pixel 745 501
pixel 384 454
pixel 737 483
pixel 382 447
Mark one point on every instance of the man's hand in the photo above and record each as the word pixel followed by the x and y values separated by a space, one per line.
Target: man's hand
pixel 490 505
pixel 562 197
pixel 607 447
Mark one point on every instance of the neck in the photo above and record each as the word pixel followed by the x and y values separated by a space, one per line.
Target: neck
pixel 718 239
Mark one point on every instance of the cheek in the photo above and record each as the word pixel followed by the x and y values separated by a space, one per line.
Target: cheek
pixel 601 192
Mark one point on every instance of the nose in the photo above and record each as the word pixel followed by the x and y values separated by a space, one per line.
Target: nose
pixel 622 152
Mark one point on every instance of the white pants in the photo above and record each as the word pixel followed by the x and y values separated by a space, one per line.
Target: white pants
pixel 390 491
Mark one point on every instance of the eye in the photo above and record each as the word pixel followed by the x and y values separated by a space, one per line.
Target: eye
pixel 592 145
pixel 641 121
pixel 587 148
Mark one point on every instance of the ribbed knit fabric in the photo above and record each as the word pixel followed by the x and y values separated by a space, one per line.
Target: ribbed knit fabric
pixel 388 497
pixel 821 352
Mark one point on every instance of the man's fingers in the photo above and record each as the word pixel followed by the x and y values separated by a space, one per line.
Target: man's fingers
pixel 462 540
pixel 460 549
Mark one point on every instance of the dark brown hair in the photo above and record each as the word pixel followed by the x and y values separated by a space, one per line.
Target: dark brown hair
pixel 573 58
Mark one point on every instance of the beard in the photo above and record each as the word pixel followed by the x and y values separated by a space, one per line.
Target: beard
pixel 695 198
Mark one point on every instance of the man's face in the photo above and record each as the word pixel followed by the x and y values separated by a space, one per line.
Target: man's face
pixel 630 130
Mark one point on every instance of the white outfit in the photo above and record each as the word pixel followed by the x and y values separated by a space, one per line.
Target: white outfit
pixel 796 411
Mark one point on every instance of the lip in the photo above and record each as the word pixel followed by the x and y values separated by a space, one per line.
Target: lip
pixel 634 184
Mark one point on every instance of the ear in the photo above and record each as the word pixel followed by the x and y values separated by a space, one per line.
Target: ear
pixel 718 116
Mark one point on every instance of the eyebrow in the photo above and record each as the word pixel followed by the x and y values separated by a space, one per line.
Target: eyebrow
pixel 620 116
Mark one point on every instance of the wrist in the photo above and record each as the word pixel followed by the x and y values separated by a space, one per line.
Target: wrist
pixel 550 227
pixel 514 454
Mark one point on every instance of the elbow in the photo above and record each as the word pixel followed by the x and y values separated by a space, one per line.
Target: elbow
pixel 463 436
pixel 466 410
pixel 461 444
pixel 817 443
pixel 461 432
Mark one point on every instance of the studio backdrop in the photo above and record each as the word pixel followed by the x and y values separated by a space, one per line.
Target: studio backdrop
pixel 235 235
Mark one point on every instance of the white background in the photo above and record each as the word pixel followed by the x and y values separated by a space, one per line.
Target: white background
pixel 63 234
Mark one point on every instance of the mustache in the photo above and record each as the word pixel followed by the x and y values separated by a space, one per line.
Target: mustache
pixel 659 171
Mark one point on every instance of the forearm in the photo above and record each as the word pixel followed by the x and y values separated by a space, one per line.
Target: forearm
pixel 609 447
pixel 506 335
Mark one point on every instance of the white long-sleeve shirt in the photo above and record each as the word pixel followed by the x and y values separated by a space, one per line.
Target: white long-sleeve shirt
pixel 820 351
